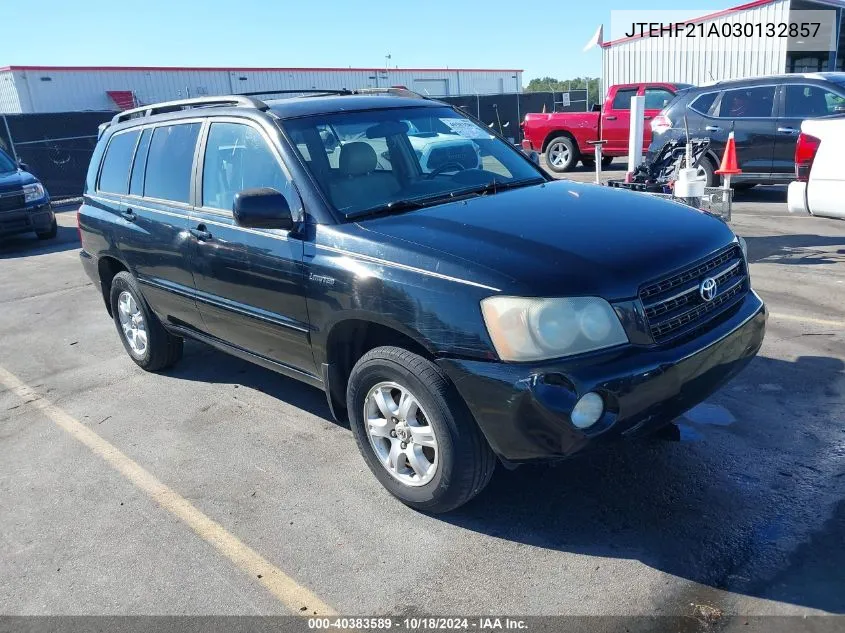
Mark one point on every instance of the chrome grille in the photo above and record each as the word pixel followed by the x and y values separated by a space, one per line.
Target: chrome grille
pixel 673 306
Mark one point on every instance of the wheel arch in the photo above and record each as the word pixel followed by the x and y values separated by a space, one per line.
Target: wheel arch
pixel 107 267
pixel 349 339
pixel 554 134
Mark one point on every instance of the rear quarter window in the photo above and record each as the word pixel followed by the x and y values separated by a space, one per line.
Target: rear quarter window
pixel 703 102
pixel 114 176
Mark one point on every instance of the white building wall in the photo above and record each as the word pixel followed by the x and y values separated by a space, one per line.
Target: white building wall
pixel 700 60
pixel 9 101
pixel 62 89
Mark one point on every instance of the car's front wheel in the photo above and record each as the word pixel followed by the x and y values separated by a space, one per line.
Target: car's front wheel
pixel 415 432
pixel 145 339
pixel 50 233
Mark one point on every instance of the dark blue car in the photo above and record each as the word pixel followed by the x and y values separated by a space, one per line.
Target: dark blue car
pixel 456 313
pixel 24 202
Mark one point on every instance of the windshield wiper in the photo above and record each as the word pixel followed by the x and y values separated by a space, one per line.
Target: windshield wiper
pixel 406 204
pixel 411 203
pixel 495 186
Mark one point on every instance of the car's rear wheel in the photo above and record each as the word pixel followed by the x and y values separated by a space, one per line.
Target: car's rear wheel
pixel 708 170
pixel 144 338
pixel 591 162
pixel 50 233
pixel 415 432
pixel 743 186
pixel 561 154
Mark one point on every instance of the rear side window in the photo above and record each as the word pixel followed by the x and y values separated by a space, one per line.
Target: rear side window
pixel 169 162
pixel 114 177
pixel 622 100
pixel 703 103
pixel 657 98
pixel 804 102
pixel 136 182
pixel 747 103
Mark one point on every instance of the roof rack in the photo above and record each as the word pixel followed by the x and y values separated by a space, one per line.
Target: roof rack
pixel 398 91
pixel 241 101
pixel 312 91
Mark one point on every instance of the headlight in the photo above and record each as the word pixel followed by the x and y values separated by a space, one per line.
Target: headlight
pixel 744 246
pixel 525 329
pixel 33 192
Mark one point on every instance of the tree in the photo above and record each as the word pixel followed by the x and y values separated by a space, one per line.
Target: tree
pixel 550 84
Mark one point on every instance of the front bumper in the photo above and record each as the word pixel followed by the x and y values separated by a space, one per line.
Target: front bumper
pixel 36 219
pixel 523 410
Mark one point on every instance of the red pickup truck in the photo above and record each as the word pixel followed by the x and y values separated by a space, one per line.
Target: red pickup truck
pixel 563 136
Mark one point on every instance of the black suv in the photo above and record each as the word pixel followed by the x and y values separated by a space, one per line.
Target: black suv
pixel 456 314
pixel 765 114
pixel 24 202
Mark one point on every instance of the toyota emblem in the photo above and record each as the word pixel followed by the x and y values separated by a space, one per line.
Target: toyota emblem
pixel 708 289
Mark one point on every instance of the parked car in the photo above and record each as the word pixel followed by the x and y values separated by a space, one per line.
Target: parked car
pixel 819 188
pixel 765 114
pixel 455 317
pixel 564 137
pixel 24 202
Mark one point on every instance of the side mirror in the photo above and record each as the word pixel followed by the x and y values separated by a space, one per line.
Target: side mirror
pixel 262 208
pixel 23 166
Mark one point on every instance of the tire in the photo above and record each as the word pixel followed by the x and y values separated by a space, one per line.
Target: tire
pixel 706 165
pixel 460 465
pixel 590 162
pixel 561 154
pixel 744 186
pixel 50 233
pixel 161 349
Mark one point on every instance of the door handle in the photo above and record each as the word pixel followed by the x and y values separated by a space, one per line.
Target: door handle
pixel 713 128
pixel 787 130
pixel 647 118
pixel 610 118
pixel 201 233
pixel 129 215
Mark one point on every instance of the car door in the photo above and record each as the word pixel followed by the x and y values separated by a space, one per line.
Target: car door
pixel 250 288
pixel 616 119
pixel 799 102
pixel 158 209
pixel 656 98
pixel 150 232
pixel 750 112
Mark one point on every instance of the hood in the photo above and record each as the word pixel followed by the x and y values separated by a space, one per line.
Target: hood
pixel 10 181
pixel 561 238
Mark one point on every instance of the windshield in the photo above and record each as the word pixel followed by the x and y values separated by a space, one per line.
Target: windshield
pixel 374 160
pixel 6 163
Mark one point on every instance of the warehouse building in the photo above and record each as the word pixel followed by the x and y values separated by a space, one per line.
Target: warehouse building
pixel 701 60
pixel 26 89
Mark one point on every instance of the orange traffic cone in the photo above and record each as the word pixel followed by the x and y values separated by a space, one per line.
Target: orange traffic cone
pixel 729 166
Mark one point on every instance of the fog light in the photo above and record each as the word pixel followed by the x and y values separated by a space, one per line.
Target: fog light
pixel 587 410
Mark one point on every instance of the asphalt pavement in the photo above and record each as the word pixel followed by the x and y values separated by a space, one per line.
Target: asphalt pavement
pixel 124 492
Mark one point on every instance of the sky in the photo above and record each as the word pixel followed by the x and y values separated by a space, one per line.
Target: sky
pixel 543 38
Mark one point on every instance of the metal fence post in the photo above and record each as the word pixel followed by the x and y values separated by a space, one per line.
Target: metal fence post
pixel 11 140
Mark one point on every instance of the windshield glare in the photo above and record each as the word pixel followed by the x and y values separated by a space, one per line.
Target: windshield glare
pixel 364 161
pixel 6 163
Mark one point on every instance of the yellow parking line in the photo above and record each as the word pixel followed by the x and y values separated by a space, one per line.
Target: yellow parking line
pixel 795 317
pixel 294 596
